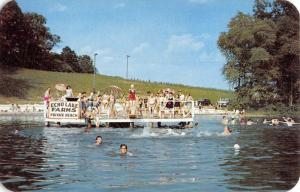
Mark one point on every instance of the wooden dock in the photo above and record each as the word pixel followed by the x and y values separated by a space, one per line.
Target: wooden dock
pixel 101 121
pixel 60 112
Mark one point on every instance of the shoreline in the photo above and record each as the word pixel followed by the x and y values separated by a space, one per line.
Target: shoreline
pixel 21 113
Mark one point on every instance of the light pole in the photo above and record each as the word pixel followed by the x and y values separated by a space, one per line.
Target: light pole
pixel 127 66
pixel 95 54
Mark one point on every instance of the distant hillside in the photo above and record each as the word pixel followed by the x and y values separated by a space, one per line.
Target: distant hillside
pixel 28 86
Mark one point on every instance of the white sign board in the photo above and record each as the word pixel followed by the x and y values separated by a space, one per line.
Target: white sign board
pixel 64 110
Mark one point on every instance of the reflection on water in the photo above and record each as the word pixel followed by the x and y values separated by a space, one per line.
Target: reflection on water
pixel 65 159
pixel 270 160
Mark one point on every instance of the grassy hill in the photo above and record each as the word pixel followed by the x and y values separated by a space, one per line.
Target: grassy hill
pixel 28 86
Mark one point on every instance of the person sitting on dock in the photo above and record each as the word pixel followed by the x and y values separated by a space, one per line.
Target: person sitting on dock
pixel 227 131
pixel 98 140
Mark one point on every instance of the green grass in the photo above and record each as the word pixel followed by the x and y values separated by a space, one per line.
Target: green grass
pixel 31 85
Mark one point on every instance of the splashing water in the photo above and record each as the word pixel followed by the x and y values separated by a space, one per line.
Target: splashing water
pixel 209 134
pixel 158 132
pixel 145 133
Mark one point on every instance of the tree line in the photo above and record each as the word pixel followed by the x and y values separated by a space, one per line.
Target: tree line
pixel 26 41
pixel 262 55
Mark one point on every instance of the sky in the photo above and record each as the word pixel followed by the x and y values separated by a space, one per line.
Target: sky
pixel 168 40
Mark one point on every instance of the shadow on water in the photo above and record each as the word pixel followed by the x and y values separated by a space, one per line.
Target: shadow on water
pixel 12 87
pixel 269 159
pixel 22 162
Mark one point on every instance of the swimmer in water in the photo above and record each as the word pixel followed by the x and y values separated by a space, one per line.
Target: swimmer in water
pixel 288 121
pixel 124 150
pixel 225 121
pixel 16 131
pixel 250 122
pixel 98 140
pixel 266 121
pixel 274 122
pixel 227 131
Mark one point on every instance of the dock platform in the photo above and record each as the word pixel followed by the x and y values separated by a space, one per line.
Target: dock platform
pixel 61 112
pixel 101 121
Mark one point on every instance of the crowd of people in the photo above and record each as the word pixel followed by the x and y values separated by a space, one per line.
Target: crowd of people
pixel 24 108
pixel 162 104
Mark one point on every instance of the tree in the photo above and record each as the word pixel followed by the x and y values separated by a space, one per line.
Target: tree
pixel 287 50
pixel 262 52
pixel 86 64
pixel 11 29
pixel 39 41
pixel 69 57
pixel 25 39
pixel 57 64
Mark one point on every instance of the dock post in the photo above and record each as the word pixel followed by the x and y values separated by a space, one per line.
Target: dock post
pixel 47 123
pixel 149 124
pixel 131 125
pixel 158 124
pixel 97 122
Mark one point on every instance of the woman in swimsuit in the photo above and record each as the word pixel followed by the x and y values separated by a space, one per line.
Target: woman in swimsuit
pixel 132 100
pixel 46 98
pixel 151 104
pixel 132 95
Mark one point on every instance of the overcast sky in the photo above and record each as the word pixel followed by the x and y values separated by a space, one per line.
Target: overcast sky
pixel 168 40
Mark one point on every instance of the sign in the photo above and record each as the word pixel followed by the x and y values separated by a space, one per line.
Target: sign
pixel 64 110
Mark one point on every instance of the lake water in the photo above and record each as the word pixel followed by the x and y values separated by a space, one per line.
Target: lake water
pixel 199 159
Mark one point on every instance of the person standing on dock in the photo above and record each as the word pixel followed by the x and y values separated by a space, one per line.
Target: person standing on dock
pixel 46 98
pixel 132 95
pixel 151 104
pixel 69 91
pixel 132 99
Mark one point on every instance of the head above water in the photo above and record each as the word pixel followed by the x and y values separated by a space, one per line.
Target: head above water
pixel 123 149
pixel 98 140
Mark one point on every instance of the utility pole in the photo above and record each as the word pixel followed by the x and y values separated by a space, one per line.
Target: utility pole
pixel 94 89
pixel 127 66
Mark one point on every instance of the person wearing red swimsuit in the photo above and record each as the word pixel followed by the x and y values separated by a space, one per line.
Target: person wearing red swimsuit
pixel 132 99
pixel 132 93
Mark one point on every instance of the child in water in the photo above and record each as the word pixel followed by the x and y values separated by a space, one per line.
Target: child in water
pixel 227 131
